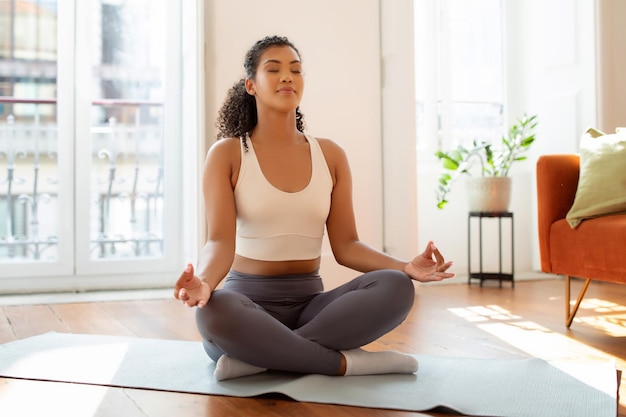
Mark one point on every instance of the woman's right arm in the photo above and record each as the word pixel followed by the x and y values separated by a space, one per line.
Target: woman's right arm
pixel 220 172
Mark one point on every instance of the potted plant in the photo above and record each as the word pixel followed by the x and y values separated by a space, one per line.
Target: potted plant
pixel 494 163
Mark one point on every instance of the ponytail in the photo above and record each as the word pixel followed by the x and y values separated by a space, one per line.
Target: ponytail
pixel 238 116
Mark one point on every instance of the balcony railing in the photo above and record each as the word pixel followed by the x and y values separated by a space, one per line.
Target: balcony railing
pixel 125 182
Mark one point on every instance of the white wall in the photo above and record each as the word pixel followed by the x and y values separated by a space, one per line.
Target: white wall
pixel 398 120
pixel 610 64
pixel 340 46
pixel 550 74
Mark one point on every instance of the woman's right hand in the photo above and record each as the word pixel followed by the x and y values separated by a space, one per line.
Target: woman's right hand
pixel 191 290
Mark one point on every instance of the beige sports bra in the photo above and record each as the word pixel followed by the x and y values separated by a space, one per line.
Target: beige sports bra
pixel 274 225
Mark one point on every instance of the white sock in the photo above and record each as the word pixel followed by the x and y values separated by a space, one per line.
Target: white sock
pixel 361 362
pixel 227 368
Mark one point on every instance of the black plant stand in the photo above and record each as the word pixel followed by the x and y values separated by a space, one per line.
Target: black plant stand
pixel 482 275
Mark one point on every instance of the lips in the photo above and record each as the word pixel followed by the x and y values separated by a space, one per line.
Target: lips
pixel 286 90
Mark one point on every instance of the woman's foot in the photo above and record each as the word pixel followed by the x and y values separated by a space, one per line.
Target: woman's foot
pixel 228 368
pixel 361 362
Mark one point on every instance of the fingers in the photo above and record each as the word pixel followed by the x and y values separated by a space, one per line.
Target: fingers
pixel 444 267
pixel 191 290
pixel 428 252
pixel 438 255
pixel 431 250
pixel 186 276
pixel 183 295
pixel 441 275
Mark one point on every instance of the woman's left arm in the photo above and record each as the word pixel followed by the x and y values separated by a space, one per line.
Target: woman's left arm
pixel 348 249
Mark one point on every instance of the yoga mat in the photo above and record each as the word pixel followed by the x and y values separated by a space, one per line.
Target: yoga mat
pixel 481 387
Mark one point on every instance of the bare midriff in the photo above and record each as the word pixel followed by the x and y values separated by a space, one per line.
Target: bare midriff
pixel 256 267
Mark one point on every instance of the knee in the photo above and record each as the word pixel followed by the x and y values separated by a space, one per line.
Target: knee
pixel 219 315
pixel 399 288
pixel 212 350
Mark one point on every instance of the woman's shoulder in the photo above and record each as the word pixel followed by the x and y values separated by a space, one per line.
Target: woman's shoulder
pixel 224 153
pixel 328 145
pixel 226 147
pixel 332 149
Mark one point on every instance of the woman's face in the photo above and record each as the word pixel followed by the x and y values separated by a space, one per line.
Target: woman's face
pixel 278 83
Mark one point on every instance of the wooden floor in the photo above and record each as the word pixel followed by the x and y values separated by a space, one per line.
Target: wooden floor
pixel 447 320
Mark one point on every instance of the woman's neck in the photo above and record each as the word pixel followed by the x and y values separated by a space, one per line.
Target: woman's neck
pixel 277 128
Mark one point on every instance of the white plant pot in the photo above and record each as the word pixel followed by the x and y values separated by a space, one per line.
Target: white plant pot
pixel 489 194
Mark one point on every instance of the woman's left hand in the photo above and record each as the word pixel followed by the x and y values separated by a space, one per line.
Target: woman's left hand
pixel 424 268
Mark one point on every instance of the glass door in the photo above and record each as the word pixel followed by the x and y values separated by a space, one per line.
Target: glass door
pixel 89 139
pixel 35 179
pixel 127 141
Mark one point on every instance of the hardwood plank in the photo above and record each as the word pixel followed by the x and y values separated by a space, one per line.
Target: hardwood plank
pixel 28 321
pixel 89 318
pixel 268 406
pixel 116 400
pixel 24 398
pixel 163 319
pixel 6 330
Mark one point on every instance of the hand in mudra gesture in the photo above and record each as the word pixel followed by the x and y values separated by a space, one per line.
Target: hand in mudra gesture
pixel 191 290
pixel 424 268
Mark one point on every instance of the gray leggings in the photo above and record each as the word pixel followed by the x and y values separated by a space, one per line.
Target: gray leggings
pixel 289 323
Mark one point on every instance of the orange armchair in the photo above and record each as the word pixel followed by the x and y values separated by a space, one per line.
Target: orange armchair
pixel 595 250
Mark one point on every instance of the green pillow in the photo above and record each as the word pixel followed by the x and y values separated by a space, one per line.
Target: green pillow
pixel 602 182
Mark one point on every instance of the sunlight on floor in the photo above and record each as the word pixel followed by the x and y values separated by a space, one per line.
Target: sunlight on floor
pixel 601 306
pixel 541 342
pixel 613 325
pixel 22 398
pixel 484 313
pixel 611 320
pixel 83 366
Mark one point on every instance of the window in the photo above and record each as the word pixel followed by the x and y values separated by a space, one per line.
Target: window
pixel 89 137
pixel 127 129
pixel 459 72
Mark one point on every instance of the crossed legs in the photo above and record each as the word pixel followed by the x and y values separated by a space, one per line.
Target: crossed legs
pixel 327 331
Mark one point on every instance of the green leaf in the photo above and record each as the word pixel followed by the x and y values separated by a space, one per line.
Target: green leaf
pixel 450 164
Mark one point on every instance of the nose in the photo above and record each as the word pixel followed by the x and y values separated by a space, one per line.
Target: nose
pixel 286 77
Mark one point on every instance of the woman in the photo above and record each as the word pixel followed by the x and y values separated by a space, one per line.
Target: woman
pixel 269 191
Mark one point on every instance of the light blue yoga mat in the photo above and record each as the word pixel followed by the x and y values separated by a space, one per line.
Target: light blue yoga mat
pixel 480 387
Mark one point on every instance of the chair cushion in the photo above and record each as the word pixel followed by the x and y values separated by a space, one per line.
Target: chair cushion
pixel 595 249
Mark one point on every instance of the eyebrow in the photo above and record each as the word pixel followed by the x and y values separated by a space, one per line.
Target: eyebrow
pixel 276 61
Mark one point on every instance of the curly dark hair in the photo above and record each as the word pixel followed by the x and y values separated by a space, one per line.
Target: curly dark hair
pixel 237 117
